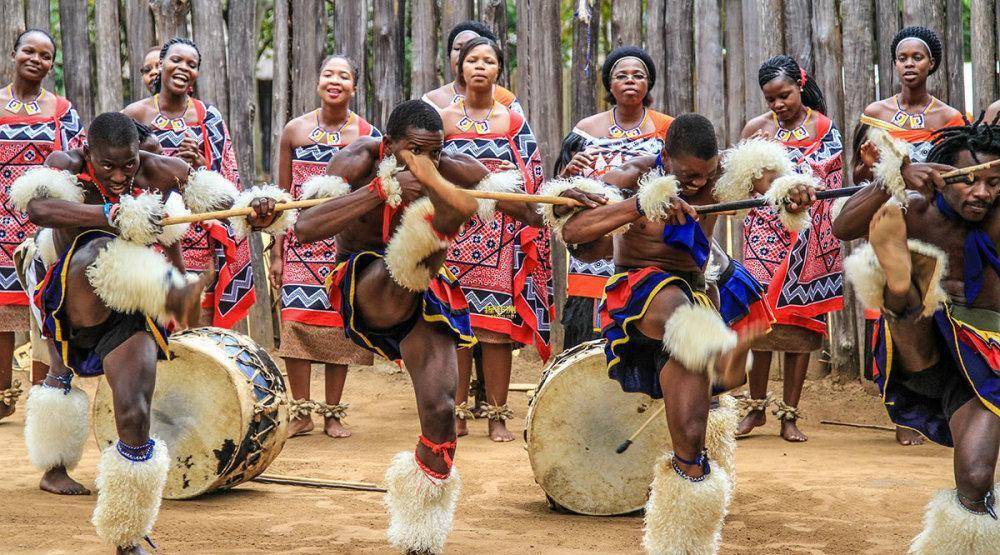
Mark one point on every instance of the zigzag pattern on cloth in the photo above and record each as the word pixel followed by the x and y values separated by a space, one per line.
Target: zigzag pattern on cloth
pixel 305 297
pixel 241 285
pixel 8 281
pixel 603 268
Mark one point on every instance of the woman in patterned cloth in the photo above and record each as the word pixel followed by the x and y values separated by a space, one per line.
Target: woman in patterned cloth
pixel 597 145
pixel 503 265
pixel 33 123
pixel 194 131
pixel 299 270
pixel 802 271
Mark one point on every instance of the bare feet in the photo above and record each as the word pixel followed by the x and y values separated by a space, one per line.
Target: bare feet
pixel 752 420
pixel 887 235
pixel 333 428
pixel 134 550
pixel 300 426
pixel 6 410
pixel 790 432
pixel 499 432
pixel 906 436
pixel 57 481
pixel 461 427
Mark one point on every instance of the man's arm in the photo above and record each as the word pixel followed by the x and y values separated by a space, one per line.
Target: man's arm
pixel 466 172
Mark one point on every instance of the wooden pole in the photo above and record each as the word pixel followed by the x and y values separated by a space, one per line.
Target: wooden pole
pixel 680 56
pixel 583 85
pixel 280 84
pixel 108 56
pixel 209 33
pixel 11 25
pixel 493 14
pixel 798 32
pixel 138 39
pixel 753 56
pixel 522 80
pixel 952 39
pixel 453 12
pixel 984 54
pixel 308 48
pixel 829 61
pixel 387 49
pixel 709 77
pixel 735 72
pixel 423 47
pixel 170 18
pixel 76 58
pixel 350 30
pixel 626 23
pixel 656 45
pixel 38 15
pixel 887 16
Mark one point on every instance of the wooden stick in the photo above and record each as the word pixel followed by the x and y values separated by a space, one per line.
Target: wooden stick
pixel 309 203
pixel 856 425
pixel 628 442
pixel 758 202
pixel 316 483
pixel 949 177
pixel 521 387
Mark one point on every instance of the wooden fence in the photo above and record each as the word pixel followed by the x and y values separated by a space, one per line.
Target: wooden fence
pixel 707 53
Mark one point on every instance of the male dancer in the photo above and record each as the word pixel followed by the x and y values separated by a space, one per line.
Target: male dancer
pixel 931 267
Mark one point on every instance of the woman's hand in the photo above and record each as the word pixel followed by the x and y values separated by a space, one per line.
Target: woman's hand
pixel 580 163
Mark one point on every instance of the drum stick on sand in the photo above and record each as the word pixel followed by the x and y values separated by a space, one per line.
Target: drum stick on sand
pixel 628 442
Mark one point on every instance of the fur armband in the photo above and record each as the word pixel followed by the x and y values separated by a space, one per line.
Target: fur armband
pixel 655 192
pixel 888 170
pixel 138 218
pixel 44 182
pixel 555 187
pixel 502 182
pixel 173 207
pixel 928 263
pixel 415 239
pixel 778 196
pixel 132 278
pixel 695 336
pixel 746 162
pixel 284 219
pixel 325 186
pixel 207 190
pixel 387 170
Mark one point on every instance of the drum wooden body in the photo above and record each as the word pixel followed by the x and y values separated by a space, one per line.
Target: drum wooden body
pixel 220 407
pixel 576 419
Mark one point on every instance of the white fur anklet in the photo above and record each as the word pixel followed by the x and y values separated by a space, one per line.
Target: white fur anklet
pixel 720 435
pixel 929 264
pixel 556 187
pixel 128 497
pixel 206 190
pixel 682 515
pixel 284 220
pixel 747 162
pixel 421 508
pixel 655 193
pixel 414 240
pixel 778 196
pixel 510 181
pixel 44 182
pixel 951 528
pixel 695 335
pixel 55 426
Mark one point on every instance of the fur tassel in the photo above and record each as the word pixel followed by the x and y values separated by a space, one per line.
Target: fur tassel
pixel 555 187
pixel 695 336
pixel 46 246
pixel 865 273
pixel 115 279
pixel 685 517
pixel 746 162
pixel 720 435
pixel 325 186
pixel 950 528
pixel 888 169
pixel 655 192
pixel 421 508
pixel 55 426
pixel 415 239
pixel 284 220
pixel 387 170
pixel 128 498
pixel 838 206
pixel 138 218
pixel 173 208
pixel 777 196
pixel 44 182
pixel 510 181
pixel 207 190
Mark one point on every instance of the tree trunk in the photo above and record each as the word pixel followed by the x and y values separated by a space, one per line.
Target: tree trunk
pixel 829 62
pixel 76 58
pixel 11 25
pixel 388 55
pixel 493 14
pixel 583 94
pixel 208 25
pixel 735 74
pixel 656 45
pixel 423 47
pixel 350 29
pixel 626 23
pixel 308 45
pixel 753 50
pixel 984 55
pixel 709 77
pixel 887 16
pixel 139 39
pixel 453 12
pixel 930 14
pixel 109 64
pixel 798 32
pixel 954 55
pixel 38 15
pixel 280 84
pixel 680 56
pixel 169 16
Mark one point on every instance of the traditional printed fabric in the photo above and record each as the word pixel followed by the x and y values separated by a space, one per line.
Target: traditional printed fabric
pixel 307 265
pixel 205 243
pixel 973 352
pixel 921 139
pixel 86 360
pixel 25 142
pixel 443 303
pixel 500 94
pixel 802 272
pixel 587 279
pixel 503 265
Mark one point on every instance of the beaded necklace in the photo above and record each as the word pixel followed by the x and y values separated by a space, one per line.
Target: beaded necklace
pixel 482 126
pixel 916 121
pixel 799 133
pixel 164 123
pixel 616 131
pixel 31 108
pixel 322 136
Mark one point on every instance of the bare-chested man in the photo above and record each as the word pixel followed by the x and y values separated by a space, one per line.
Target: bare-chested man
pixel 665 336
pixel 106 302
pixel 932 268
pixel 396 298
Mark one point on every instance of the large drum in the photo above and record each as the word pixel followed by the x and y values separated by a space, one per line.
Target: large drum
pixel 576 419
pixel 220 407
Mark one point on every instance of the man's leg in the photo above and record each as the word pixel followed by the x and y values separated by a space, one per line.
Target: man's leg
pixel 299 373
pixel 497 360
pixel 7 373
pixel 757 404
pixel 463 411
pixel 335 378
pixel 796 366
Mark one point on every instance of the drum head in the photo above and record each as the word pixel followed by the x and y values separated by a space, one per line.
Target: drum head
pixel 577 419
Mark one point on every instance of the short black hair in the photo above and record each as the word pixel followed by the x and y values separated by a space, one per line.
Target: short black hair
pixel 929 37
pixel 412 113
pixel 787 68
pixel 977 137
pixel 113 129
pixel 166 48
pixel 478 41
pixel 691 134
pixel 26 32
pixel 350 61
pixel 474 26
pixel 624 52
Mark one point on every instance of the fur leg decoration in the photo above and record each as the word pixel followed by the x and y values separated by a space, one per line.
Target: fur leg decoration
pixel 206 190
pixel 555 187
pixel 747 162
pixel 55 426
pixel 325 186
pixel 414 241
pixel 115 279
pixel 695 335
pixel 129 493
pixel 929 264
pixel 173 208
pixel 421 508
pixel 778 196
pixel 502 182
pixel 138 218
pixel 655 192
pixel 950 528
pixel 44 182
pixel 685 516
pixel 284 220
pixel 720 435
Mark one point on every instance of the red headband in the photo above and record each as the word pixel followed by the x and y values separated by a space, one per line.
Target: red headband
pixel 802 76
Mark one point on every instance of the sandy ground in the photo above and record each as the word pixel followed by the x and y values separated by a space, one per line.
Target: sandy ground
pixel 845 491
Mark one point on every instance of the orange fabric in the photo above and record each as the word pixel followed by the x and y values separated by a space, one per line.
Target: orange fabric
pixel 661 121
pixel 503 96
pixel 583 285
pixel 923 135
